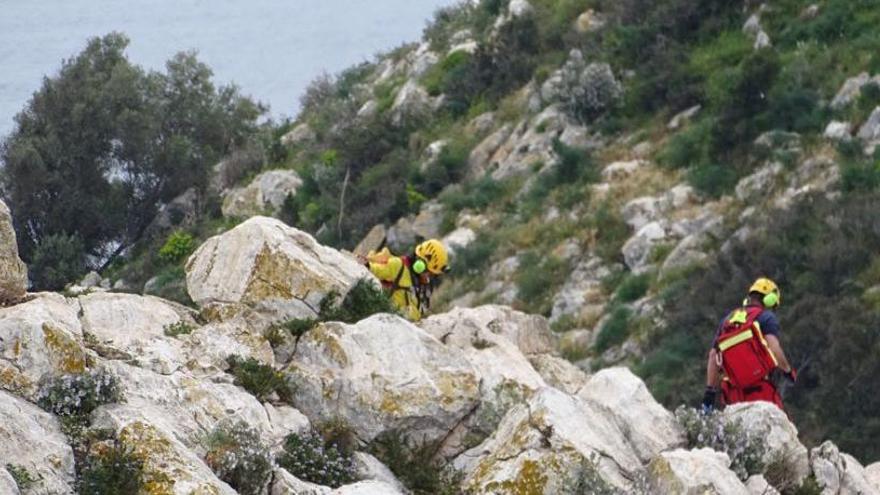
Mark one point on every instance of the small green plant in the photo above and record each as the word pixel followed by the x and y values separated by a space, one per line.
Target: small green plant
pixel 179 328
pixel 746 449
pixel 23 478
pixel 259 379
pixel 615 330
pixel 363 300
pixel 297 326
pixel 310 458
pixel 589 480
pixel 114 468
pixel 238 456
pixel 178 246
pixel 77 395
pixel 414 465
pixel 632 288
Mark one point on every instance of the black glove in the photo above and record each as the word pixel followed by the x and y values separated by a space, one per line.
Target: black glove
pixel 709 399
pixel 791 375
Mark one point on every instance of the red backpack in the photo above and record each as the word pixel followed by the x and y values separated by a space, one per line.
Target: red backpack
pixel 742 349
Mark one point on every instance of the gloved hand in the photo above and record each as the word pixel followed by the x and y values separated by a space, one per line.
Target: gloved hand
pixel 709 399
pixel 791 375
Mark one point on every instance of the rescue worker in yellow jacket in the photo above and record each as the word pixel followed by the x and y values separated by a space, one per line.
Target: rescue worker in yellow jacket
pixel 408 279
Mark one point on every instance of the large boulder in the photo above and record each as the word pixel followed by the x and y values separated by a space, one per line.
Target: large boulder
pixel 263 263
pixel 582 295
pixel 38 338
pixel 7 483
pixel 869 133
pixel 838 473
pixel 648 426
pixel 31 438
pixel 287 484
pixel 169 467
pixel 873 474
pixel 207 348
pixel 266 193
pixel 13 272
pixel 382 374
pixel 852 89
pixel 701 471
pixel 780 439
pixel 637 250
pixel 546 444
pixel 132 327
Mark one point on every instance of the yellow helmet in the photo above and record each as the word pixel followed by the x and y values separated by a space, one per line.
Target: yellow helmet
pixel 768 289
pixel 434 254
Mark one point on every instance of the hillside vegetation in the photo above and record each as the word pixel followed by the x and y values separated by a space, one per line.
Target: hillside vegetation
pixel 548 133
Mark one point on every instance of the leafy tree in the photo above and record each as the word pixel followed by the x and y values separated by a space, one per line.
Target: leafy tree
pixel 103 143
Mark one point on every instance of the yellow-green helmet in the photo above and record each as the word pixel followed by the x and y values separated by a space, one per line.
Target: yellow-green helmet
pixel 434 254
pixel 768 289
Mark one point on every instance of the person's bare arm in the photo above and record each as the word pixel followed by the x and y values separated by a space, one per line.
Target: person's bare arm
pixel 776 348
pixel 713 373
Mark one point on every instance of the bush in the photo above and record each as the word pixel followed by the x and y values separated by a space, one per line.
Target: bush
pixel 178 246
pixel 77 395
pixel 588 91
pixel 474 258
pixel 615 330
pixel 58 260
pixel 309 458
pixel 414 465
pixel 688 147
pixel 115 469
pixel 179 328
pixel 860 177
pixel 632 288
pixel 745 449
pixel 713 179
pixel 363 300
pixel 537 279
pixel 259 379
pixel 237 456
pixel 21 476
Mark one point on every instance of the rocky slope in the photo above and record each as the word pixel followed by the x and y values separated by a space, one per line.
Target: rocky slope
pixel 485 385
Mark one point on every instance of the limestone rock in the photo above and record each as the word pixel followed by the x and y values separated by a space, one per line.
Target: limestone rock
pixel 869 133
pixel 758 485
pixel 559 372
pixel 267 191
pixel 480 158
pixel 373 241
pixel 850 90
pixel 459 238
pixel 589 21
pixel 266 264
pixel 839 473
pixel 207 348
pixel 838 131
pixel 92 279
pixel 694 472
pixel 32 439
pixel 765 420
pixel 481 124
pixel 371 487
pixel 687 253
pixel 382 374
pixel 132 327
pixel 168 464
pixel 760 183
pixel 621 170
pixel 873 474
pixel 647 425
pixel 300 134
pixel 287 484
pixel 542 445
pixel 411 100
pixel 519 8
pixel 582 295
pixel 7 483
pixel 368 110
pixel 637 250
pixel 762 40
pixel 41 337
pixel 13 272
pixel 371 469
pixel 429 220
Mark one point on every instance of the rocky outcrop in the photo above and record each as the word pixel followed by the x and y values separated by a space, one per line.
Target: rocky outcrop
pixel 301 134
pixel 382 374
pixel 852 89
pixel 13 272
pixel 265 264
pixel 838 473
pixel 288 484
pixel 692 472
pixel 31 439
pixel 265 194
pixel 869 133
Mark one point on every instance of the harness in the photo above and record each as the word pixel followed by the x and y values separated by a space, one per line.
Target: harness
pixel 422 292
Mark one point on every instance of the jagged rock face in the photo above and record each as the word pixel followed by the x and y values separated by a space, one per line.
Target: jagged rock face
pixel 266 192
pixel 31 438
pixel 288 484
pixel 541 446
pixel 873 474
pixel 209 346
pixel 42 337
pixel 264 263
pixel 649 427
pixel 13 272
pixel 766 421
pixel 693 472
pixel 169 466
pixel 382 374
pixel 839 473
pixel 7 483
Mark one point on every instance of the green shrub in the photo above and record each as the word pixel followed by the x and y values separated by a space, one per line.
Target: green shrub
pixel 179 328
pixel 615 330
pixel 688 147
pixel 178 246
pixel 860 176
pixel 713 180
pixel 414 465
pixel 237 456
pixel 611 232
pixel 77 395
pixel 259 379
pixel 309 458
pixel 57 261
pixel 632 288
pixel 537 279
pixel 746 449
pixel 22 477
pixel 116 469
pixel 474 258
pixel 170 283
pixel 297 327
pixel 363 300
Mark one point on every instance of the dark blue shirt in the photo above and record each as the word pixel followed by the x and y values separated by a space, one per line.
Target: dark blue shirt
pixel 767 319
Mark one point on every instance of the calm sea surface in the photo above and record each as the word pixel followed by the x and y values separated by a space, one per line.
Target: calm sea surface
pixel 270 48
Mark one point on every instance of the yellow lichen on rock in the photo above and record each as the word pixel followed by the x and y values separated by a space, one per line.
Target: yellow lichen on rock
pixel 69 357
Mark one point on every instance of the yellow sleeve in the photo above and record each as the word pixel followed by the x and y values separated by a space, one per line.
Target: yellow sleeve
pixel 387 271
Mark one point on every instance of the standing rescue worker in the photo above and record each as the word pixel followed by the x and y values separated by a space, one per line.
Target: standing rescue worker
pixel 409 280
pixel 746 350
